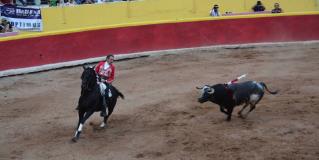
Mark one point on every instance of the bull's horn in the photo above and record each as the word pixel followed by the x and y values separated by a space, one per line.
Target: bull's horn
pixel 211 91
pixel 199 87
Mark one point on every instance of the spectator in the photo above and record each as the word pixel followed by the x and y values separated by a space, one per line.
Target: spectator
pixel 214 12
pixel 24 3
pixel 2 29
pixel 78 1
pixel 258 7
pixel 277 9
pixel 3 2
pixel 53 3
pixel 99 1
pixel 5 26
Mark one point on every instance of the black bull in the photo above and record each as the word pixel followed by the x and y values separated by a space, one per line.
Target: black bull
pixel 229 96
pixel 91 100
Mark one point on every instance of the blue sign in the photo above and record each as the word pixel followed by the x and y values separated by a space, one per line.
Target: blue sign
pixel 23 18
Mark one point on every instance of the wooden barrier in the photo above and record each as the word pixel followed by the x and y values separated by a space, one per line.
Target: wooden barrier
pixel 52 49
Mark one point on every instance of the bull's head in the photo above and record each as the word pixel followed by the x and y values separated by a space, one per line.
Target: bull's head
pixel 206 93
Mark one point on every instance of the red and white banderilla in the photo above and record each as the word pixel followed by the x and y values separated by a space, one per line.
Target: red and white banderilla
pixel 235 80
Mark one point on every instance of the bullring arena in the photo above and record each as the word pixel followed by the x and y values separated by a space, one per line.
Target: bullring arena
pixel 163 49
pixel 161 118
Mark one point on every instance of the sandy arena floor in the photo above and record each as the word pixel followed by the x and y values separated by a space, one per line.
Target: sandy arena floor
pixel 161 118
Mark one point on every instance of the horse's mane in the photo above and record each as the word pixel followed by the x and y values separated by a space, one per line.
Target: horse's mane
pixel 88 77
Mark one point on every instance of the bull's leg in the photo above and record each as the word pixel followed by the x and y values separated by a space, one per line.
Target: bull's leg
pixel 230 111
pixel 240 112
pixel 252 107
pixel 254 99
pixel 81 123
pixel 222 109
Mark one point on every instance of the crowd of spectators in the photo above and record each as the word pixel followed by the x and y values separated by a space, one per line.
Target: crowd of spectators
pixel 258 7
pixel 53 3
pixel 16 2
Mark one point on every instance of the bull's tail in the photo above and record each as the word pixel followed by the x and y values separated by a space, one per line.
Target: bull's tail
pixel 271 92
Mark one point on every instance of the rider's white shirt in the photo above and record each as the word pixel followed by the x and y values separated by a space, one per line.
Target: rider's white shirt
pixel 105 70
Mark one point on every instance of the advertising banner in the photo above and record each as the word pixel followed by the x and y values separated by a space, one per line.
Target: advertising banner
pixel 28 19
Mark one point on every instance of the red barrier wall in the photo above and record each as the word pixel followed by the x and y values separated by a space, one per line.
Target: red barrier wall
pixel 75 46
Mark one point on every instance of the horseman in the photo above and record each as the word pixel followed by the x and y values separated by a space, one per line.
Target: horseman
pixel 105 73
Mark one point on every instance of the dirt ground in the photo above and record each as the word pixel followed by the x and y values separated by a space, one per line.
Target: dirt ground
pixel 161 118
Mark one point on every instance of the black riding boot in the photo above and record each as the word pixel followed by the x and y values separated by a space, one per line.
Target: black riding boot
pixel 103 110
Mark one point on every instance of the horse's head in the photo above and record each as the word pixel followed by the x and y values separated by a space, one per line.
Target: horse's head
pixel 88 78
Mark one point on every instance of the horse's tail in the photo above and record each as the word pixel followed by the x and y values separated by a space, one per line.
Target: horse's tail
pixel 119 93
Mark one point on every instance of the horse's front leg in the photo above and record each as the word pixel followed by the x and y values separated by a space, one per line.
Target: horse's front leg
pixel 82 120
pixel 76 135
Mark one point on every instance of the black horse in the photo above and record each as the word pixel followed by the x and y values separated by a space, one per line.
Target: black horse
pixel 91 100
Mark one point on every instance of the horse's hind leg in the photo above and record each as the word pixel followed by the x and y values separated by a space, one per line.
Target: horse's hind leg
pixel 103 124
pixel 110 111
pixel 82 118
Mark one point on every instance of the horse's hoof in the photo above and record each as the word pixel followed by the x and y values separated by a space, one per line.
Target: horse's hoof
pixel 74 139
pixel 103 125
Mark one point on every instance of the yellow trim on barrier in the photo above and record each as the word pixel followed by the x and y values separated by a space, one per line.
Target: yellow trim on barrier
pixel 24 35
